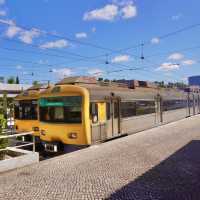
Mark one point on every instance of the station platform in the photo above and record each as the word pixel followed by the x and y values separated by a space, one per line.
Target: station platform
pixel 161 163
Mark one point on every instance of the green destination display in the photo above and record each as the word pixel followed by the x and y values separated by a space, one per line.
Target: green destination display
pixel 60 101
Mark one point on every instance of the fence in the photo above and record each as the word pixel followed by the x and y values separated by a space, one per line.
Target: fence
pixel 8 136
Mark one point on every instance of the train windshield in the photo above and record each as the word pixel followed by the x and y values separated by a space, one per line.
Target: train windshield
pixel 26 110
pixel 66 109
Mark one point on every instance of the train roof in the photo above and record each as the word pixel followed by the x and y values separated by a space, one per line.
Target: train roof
pixel 101 92
pixel 32 92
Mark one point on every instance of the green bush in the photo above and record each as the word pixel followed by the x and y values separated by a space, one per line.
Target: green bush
pixel 3 142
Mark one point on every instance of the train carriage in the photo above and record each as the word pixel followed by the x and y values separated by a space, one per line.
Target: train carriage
pixel 26 110
pixel 174 104
pixel 80 111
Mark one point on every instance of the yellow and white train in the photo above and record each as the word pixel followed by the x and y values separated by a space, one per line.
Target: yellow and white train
pixel 80 111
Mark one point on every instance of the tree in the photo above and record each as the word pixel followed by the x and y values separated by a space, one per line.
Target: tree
pixel 106 80
pixel 179 85
pixel 160 83
pixel 11 80
pixel 3 142
pixel 35 83
pixel 17 80
pixel 100 79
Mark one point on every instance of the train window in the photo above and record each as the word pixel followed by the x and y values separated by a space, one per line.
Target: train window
pixel 16 110
pixel 93 108
pixel 26 110
pixel 94 112
pixel 116 110
pixel 61 109
pixel 191 102
pixel 108 111
pixel 128 109
pixel 175 104
pixel 59 113
pixel 145 107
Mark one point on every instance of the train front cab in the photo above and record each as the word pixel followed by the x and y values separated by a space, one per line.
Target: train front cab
pixel 27 110
pixel 26 114
pixel 64 118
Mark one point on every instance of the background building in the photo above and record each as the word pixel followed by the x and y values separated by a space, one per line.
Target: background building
pixel 194 81
pixel 7 94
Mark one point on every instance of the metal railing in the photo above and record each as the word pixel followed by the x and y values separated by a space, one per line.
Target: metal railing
pixel 8 136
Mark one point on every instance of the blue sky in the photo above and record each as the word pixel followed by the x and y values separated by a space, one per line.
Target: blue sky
pixel 57 38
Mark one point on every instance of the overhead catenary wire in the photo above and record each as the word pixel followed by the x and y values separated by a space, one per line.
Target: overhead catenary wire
pixel 169 34
pixel 97 46
pixel 172 51
pixel 60 36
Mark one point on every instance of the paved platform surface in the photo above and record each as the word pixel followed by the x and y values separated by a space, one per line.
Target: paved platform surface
pixel 161 163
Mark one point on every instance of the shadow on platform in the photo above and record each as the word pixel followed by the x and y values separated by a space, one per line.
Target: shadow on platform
pixel 176 178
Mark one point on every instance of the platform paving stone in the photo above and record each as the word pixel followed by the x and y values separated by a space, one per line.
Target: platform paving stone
pixel 161 163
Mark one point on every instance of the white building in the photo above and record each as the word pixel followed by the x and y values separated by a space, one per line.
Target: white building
pixel 12 90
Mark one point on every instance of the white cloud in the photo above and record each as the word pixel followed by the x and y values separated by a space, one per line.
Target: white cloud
pixel 177 17
pixel 93 29
pixel 120 58
pixel 28 35
pixel 108 13
pixel 81 35
pixel 25 73
pixel 124 9
pixel 63 72
pixel 188 62
pixel 7 21
pixel 122 3
pixel 55 44
pixel 168 67
pixel 2 2
pixel 176 56
pixel 43 62
pixel 95 72
pixel 129 11
pixel 3 13
pixel 12 31
pixel 155 40
pixel 25 36
pixel 18 67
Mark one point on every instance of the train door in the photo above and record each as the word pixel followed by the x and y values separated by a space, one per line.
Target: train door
pixel 198 102
pixel 191 104
pixel 113 118
pixel 98 122
pixel 195 104
pixel 188 105
pixel 193 99
pixel 159 109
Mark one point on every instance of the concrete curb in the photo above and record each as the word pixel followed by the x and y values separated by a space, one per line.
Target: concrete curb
pixel 23 159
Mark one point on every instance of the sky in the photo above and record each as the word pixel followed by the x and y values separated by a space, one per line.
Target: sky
pixel 51 39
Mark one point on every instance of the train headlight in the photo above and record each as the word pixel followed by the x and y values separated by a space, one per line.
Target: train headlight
pixel 42 132
pixel 35 128
pixel 72 135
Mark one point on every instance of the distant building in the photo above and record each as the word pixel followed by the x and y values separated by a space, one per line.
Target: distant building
pixel 137 83
pixel 194 81
pixel 12 90
pixel 2 79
